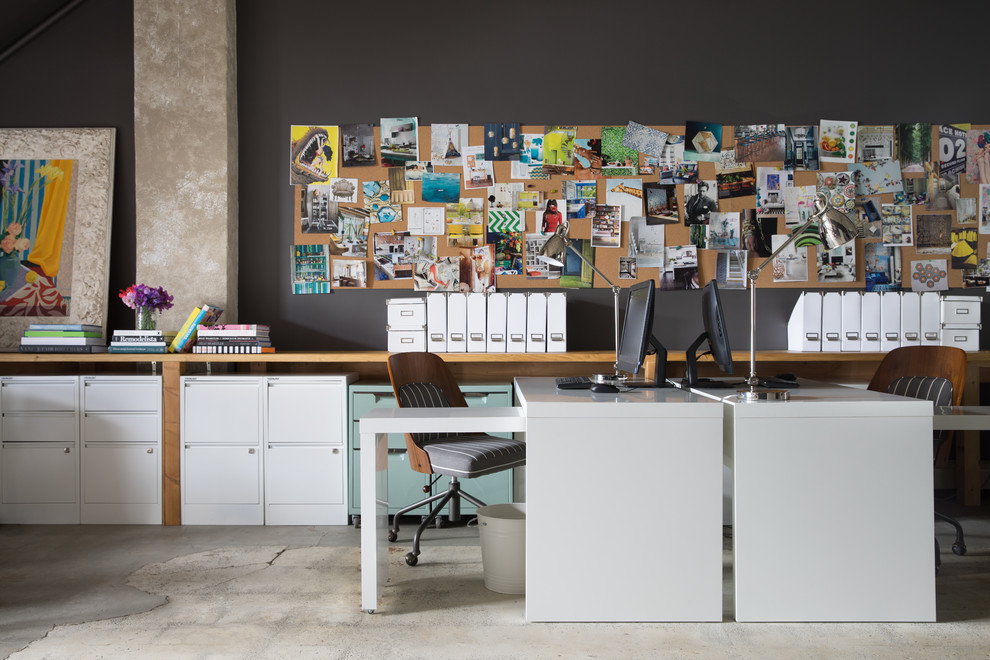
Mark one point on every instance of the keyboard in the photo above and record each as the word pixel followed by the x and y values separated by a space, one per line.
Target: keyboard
pixel 574 383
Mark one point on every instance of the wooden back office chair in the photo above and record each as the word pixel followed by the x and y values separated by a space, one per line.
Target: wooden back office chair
pixel 935 373
pixel 422 380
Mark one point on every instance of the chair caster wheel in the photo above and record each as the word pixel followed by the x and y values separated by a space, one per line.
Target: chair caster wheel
pixel 412 559
pixel 392 536
pixel 959 549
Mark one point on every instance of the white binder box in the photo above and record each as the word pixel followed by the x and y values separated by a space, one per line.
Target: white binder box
pixel 910 318
pixel 963 310
pixel 477 323
pixel 404 340
pixel 557 322
pixel 966 337
pixel 890 321
pixel 795 325
pixel 852 321
pixel 405 313
pixel 811 336
pixel 496 322
pixel 832 322
pixel 436 322
pixel 457 323
pixel 870 317
pixel 536 322
pixel 931 319
pixel 515 322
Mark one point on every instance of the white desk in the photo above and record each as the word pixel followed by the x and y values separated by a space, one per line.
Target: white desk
pixel 375 427
pixel 624 500
pixel 832 505
pixel 623 504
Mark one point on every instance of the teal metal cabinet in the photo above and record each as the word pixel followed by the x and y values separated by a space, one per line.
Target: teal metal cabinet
pixel 405 486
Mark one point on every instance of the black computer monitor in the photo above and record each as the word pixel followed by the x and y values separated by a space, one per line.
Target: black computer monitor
pixel 637 334
pixel 717 336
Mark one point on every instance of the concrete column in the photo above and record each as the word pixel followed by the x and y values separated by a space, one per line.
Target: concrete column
pixel 185 143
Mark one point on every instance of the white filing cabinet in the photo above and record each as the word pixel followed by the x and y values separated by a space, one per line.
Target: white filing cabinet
pixel 39 442
pixel 221 460
pixel 306 450
pixel 121 435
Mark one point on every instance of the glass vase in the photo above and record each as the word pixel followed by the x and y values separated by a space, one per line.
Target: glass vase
pixel 145 318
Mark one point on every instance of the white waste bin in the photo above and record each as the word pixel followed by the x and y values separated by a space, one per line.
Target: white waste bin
pixel 502 528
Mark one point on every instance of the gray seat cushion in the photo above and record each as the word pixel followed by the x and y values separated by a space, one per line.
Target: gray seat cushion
pixel 936 390
pixel 460 455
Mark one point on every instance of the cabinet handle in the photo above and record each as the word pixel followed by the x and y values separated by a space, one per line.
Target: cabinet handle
pixel 251 451
pixel 66 450
pixel 397 451
pixel 151 451
pixel 336 450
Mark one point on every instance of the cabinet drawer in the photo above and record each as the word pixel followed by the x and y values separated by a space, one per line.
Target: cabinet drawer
pixel 38 394
pixel 305 412
pixel 304 475
pixel 38 473
pixel 121 427
pixel 40 427
pixel 222 412
pixel 114 473
pixel 221 475
pixel 138 394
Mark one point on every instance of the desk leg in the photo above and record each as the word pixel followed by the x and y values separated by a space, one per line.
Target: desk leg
pixel 374 518
pixel 968 448
pixel 171 443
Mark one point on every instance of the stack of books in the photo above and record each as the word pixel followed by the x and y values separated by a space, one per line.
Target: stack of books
pixel 141 341
pixel 186 336
pixel 63 338
pixel 233 338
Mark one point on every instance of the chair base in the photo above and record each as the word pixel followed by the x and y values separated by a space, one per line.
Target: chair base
pixel 452 495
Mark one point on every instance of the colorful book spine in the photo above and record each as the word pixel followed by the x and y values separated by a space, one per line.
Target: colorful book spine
pixel 85 327
pixel 137 349
pixel 62 341
pixel 48 348
pixel 182 336
pixel 138 344
pixel 240 327
pixel 206 331
pixel 63 333
pixel 232 349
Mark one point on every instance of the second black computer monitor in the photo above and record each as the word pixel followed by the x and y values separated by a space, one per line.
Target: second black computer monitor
pixel 637 334
pixel 716 335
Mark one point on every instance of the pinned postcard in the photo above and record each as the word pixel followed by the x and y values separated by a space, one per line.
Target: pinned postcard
pixel 503 195
pixel 581 197
pixel 985 208
pixel 311 269
pixel 791 264
pixel 883 267
pixel 799 205
pixel 447 142
pixel 627 193
pixel 628 268
pixel 877 177
pixel 617 159
pixel 875 143
pixel 606 226
pixel 417 168
pixel 425 220
pixel 914 146
pixel 646 243
pixel 730 268
pixel 441 187
pixel 770 184
pixel 673 152
pixel 553 217
pixel 978 156
pixel 699 202
pixel 643 138
pixel 576 274
pixel 587 158
pixel 758 232
pixel 558 149
pixel 897 227
pixel 530 163
pixel 478 172
pixel 502 142
pixel 477 269
pixel 505 220
pixel 929 275
pixel 841 190
pixel 349 273
pixel 465 223
pixel 536 268
pixel 703 141
pixel 378 202
pixel 801 148
pixel 759 142
pixel 838 264
pixel 354 230
pixel 312 154
pixel 440 275
pixel 838 141
pixel 685 173
pixel 399 140
pixel 508 252
pixel 933 233
pixel 964 246
pixel 680 268
pixel 661 202
pixel 723 231
pixel 402 192
pixel 357 145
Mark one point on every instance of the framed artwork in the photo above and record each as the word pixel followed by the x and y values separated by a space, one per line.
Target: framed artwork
pixel 57 187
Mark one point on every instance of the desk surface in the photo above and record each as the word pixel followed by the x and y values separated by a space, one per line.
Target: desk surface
pixel 541 398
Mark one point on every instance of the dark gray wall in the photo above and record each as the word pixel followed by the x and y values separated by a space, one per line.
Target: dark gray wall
pixel 303 61
pixel 79 73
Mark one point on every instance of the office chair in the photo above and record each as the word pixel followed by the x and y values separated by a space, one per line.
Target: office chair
pixel 935 373
pixel 423 380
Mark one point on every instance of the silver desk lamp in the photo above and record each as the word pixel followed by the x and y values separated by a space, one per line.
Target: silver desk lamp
pixel 835 229
pixel 552 253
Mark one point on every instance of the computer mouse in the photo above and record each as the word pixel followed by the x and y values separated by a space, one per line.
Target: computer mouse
pixel 786 376
pixel 604 388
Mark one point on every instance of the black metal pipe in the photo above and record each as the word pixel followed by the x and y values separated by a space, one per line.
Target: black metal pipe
pixel 38 29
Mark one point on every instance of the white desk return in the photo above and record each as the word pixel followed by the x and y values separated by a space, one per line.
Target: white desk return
pixel 375 427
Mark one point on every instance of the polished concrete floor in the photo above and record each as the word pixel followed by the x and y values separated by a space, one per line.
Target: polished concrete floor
pixel 274 592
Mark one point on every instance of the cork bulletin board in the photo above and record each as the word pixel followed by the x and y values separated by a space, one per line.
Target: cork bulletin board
pixel 676 233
